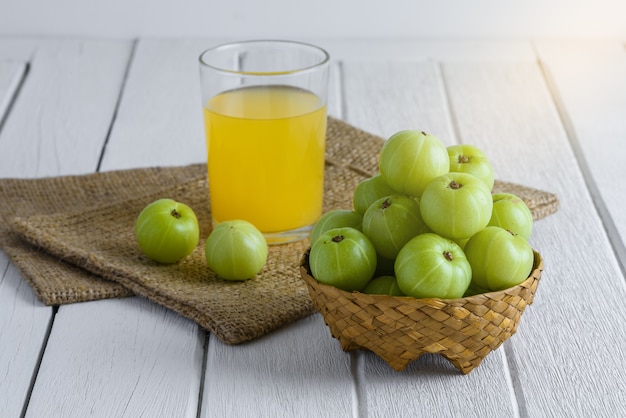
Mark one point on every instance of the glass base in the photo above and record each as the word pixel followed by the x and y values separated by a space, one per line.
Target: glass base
pixel 284 237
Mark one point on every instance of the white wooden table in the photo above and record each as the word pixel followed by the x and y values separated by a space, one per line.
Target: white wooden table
pixel 550 115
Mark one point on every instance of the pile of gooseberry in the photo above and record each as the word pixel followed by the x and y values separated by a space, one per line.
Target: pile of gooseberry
pixel 427 225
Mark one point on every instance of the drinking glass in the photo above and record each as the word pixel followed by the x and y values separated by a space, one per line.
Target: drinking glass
pixel 265 120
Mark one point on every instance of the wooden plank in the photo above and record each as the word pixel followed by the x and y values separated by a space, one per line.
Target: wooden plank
pixel 567 356
pixel 24 320
pixel 54 89
pixel 24 323
pixel 160 118
pixel 589 83
pixel 298 370
pixel 62 108
pixel 384 98
pixel 119 357
pixel 130 357
pixel 11 75
pixel 73 87
pixel 59 89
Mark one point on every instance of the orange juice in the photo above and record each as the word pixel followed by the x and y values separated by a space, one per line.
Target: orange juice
pixel 266 156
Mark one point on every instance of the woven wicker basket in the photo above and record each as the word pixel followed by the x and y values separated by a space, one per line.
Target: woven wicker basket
pixel 400 329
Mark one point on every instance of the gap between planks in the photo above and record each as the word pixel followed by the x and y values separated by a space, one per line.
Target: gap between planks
pixel 611 230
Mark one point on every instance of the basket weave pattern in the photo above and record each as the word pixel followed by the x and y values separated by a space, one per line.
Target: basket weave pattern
pixel 400 329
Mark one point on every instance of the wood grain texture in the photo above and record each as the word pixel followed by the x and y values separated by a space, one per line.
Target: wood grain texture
pixel 11 74
pixel 160 120
pixel 24 323
pixel 564 356
pixel 384 98
pixel 22 340
pixel 119 358
pixel 134 358
pixel 61 118
pixel 297 371
pixel 591 102
pixel 117 353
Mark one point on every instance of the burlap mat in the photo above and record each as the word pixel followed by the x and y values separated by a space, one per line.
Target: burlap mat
pixel 72 238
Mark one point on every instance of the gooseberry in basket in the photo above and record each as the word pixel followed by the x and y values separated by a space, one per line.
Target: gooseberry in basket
pixel 383 285
pixel 236 250
pixel 167 231
pixel 344 258
pixel 499 258
pixel 456 205
pixel 466 158
pixel 368 191
pixel 511 213
pixel 391 222
pixel 410 159
pixel 336 218
pixel 430 266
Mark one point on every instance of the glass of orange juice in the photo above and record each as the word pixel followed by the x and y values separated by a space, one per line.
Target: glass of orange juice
pixel 265 120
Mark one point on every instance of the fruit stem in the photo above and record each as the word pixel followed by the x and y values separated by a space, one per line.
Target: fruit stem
pixel 448 255
pixel 454 185
pixel 385 204
pixel 464 159
pixel 175 213
pixel 337 238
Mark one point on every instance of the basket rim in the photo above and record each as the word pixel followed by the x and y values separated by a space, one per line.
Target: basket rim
pixel 535 275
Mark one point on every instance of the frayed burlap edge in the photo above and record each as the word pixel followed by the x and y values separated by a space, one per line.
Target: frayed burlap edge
pixel 54 281
pixel 101 241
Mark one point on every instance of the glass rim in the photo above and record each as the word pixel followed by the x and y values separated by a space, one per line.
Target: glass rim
pixel 325 57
